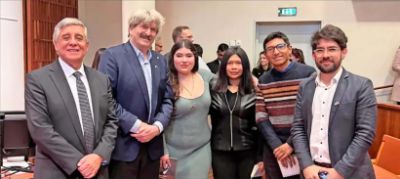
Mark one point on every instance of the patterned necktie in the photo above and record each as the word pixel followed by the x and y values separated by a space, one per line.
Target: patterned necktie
pixel 86 114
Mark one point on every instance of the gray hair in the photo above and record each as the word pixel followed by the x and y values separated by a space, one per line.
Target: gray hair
pixel 67 22
pixel 146 16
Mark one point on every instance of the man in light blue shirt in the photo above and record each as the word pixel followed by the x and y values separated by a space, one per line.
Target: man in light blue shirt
pixel 144 98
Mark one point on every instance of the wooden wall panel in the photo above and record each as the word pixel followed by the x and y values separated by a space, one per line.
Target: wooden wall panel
pixel 41 17
pixel 388 122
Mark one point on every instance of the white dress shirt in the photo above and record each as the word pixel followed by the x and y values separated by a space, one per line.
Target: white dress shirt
pixel 68 72
pixel 321 107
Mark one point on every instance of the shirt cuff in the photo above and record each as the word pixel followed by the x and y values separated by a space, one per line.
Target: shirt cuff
pixel 159 125
pixel 136 126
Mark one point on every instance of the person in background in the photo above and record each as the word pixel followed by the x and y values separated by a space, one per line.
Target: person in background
pixel 214 65
pixel 97 56
pixel 234 132
pixel 199 50
pixel 158 44
pixel 70 110
pixel 298 56
pixel 187 138
pixel 263 65
pixel 276 100
pixel 183 32
pixel 335 118
pixel 396 85
pixel 144 98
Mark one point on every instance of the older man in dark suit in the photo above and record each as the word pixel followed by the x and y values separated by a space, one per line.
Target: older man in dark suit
pixel 144 98
pixel 70 110
pixel 335 114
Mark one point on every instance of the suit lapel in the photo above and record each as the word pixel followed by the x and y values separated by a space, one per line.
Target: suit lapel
pixel 137 71
pixel 64 90
pixel 337 98
pixel 309 97
pixel 95 97
pixel 155 75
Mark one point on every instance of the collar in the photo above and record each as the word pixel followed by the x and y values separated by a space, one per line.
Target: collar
pixel 139 53
pixel 334 80
pixel 68 70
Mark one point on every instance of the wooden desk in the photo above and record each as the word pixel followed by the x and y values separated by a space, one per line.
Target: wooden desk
pixel 20 176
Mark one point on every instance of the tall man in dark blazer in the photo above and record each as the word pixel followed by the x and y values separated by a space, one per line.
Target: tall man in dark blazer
pixel 70 110
pixel 335 114
pixel 144 98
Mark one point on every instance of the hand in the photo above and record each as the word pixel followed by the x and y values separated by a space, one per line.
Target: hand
pixel 288 161
pixel 283 151
pixel 89 165
pixel 164 161
pixel 332 173
pixel 311 172
pixel 146 132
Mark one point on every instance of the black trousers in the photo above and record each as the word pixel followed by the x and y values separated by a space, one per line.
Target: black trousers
pixel 141 168
pixel 233 164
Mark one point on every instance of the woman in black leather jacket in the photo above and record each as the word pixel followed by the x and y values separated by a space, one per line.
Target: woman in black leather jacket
pixel 233 136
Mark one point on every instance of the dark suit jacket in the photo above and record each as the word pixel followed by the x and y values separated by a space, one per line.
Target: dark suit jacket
pixel 54 123
pixel 351 125
pixel 214 66
pixel 122 66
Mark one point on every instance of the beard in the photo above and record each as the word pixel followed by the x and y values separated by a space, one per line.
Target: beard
pixel 329 69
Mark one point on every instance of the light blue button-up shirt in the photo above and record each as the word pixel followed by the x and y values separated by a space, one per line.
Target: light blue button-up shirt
pixel 146 67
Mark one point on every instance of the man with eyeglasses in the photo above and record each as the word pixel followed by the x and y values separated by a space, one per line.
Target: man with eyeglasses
pixel 276 99
pixel 335 116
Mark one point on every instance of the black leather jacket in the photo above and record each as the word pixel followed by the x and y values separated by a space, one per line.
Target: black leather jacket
pixel 240 134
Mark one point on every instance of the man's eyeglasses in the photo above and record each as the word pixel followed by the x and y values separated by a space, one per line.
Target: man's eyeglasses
pixel 330 50
pixel 280 47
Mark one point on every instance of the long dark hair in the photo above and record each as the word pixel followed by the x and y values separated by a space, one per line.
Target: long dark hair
pixel 173 73
pixel 246 85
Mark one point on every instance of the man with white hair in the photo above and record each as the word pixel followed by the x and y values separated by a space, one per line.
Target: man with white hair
pixel 144 98
pixel 70 110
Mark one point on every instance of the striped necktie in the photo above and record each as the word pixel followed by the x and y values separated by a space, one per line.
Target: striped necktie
pixel 86 114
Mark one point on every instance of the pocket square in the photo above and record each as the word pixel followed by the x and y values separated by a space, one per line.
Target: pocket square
pixel 336 103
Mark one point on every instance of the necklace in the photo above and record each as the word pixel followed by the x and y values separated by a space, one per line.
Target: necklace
pixel 230 114
pixel 190 92
pixel 187 90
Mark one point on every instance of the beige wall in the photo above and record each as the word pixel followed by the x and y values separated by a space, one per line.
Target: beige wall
pixel 11 56
pixel 107 21
pixel 373 27
pixel 104 22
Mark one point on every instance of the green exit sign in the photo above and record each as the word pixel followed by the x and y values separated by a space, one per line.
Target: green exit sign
pixel 287 11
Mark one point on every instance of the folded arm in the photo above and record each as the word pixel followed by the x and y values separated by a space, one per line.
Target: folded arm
pixel 126 120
